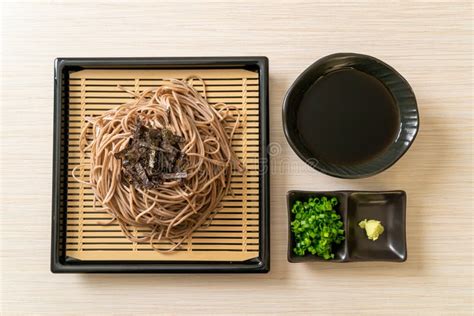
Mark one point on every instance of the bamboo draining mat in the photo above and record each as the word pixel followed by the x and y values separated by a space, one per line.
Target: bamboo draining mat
pixel 232 235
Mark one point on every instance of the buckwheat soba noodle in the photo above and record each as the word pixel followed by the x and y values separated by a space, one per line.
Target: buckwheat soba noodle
pixel 162 161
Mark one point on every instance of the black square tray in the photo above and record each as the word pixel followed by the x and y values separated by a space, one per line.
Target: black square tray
pixel 61 263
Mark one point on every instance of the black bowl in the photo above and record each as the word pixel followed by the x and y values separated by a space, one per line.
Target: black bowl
pixel 397 85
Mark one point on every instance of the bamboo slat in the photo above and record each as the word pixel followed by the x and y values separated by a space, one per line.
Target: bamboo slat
pixel 233 233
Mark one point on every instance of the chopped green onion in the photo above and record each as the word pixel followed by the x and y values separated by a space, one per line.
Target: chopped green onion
pixel 316 227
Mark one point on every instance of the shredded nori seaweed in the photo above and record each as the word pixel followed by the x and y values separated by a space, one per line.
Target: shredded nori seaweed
pixel 152 156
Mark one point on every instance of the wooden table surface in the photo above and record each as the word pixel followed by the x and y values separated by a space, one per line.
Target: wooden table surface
pixel 430 43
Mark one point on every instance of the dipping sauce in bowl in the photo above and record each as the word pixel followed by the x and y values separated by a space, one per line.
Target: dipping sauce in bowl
pixel 347 117
pixel 350 115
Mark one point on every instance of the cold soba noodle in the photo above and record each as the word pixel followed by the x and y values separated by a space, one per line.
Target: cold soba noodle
pixel 172 203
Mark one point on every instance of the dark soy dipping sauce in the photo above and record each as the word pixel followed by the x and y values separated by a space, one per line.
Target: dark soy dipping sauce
pixel 347 117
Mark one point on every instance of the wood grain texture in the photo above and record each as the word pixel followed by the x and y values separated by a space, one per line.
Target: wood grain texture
pixel 430 43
